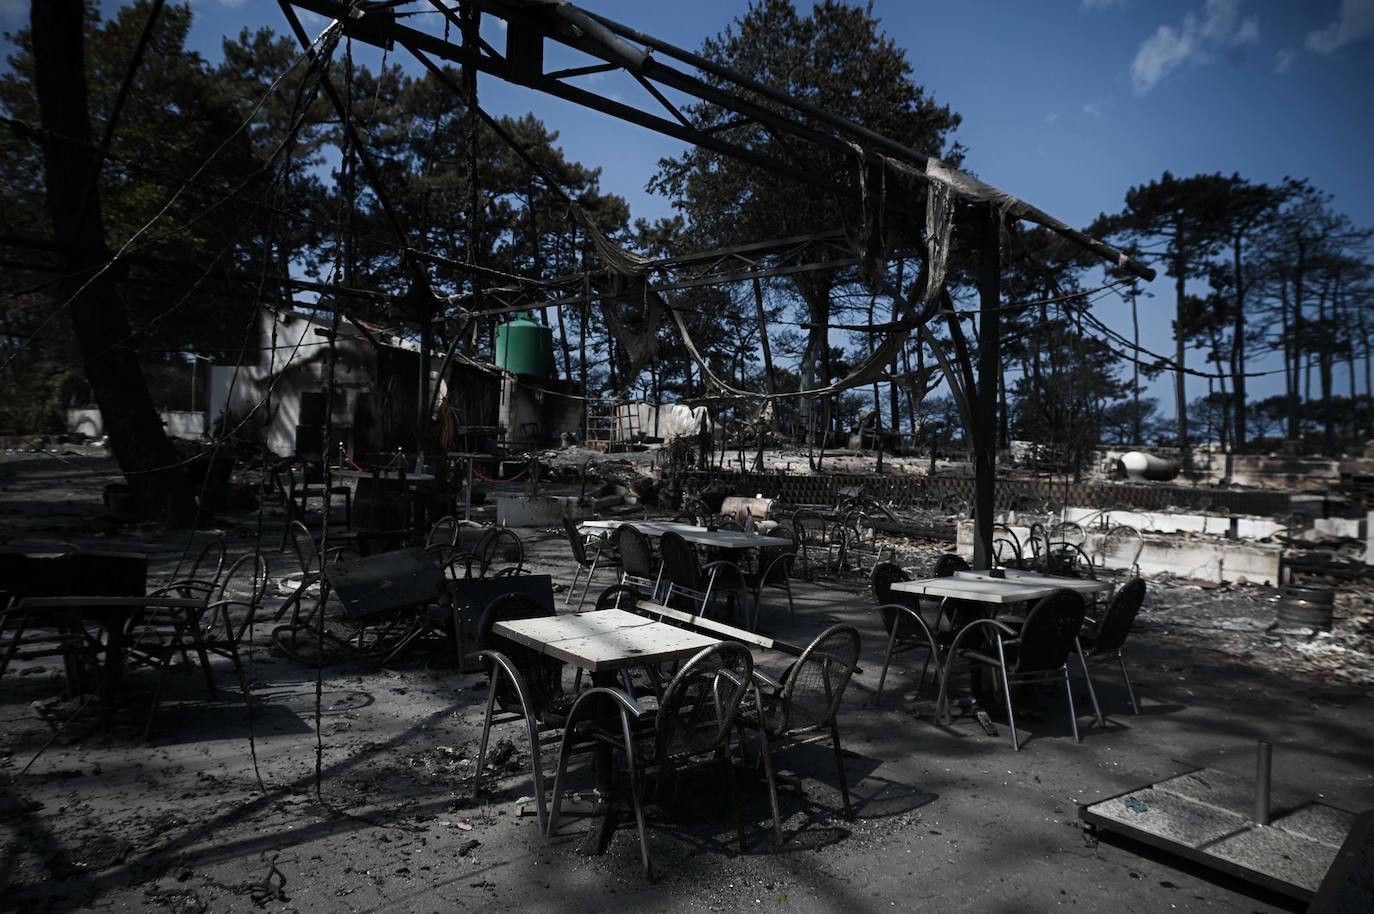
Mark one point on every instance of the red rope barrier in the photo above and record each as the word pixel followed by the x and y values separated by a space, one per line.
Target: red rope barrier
pixel 499 482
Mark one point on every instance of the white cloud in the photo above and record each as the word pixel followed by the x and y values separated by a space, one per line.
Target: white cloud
pixel 1283 60
pixel 1051 117
pixel 1355 22
pixel 1093 109
pixel 1101 4
pixel 1219 26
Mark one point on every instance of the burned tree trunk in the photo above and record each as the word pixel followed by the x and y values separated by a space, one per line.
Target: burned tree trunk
pixel 145 456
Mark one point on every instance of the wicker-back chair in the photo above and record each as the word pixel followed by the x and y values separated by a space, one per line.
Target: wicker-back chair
pixel 524 685
pixel 235 606
pixel 1105 640
pixel 444 532
pixel 1037 653
pixel 692 727
pixel 499 543
pixel 805 704
pixel 906 627
pixel 946 565
pixel 203 577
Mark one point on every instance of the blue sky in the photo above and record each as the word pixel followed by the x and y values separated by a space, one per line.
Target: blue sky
pixel 1066 103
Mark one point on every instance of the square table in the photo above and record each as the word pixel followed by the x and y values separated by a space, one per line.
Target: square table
pixel 693 533
pixel 604 640
pixel 978 589
pixel 1085 586
pixel 113 615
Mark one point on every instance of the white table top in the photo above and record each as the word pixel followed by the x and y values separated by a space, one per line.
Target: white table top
pixel 977 589
pixel 700 536
pixel 1079 585
pixel 607 639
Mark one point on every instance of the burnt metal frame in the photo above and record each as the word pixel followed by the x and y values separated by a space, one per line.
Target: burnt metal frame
pixel 527 28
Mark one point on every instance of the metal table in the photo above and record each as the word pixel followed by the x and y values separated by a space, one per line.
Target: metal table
pixel 1085 586
pixel 112 614
pixel 604 640
pixel 692 533
pixel 978 589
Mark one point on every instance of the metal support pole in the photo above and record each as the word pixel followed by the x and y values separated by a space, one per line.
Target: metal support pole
pixel 989 364
pixel 767 349
pixel 1263 758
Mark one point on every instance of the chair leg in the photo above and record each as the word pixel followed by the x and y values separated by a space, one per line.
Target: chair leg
pixel 1073 712
pixel 587 584
pixel 1130 689
pixel 486 733
pixel 736 809
pixel 1092 692
pixel 577 575
pixel 157 693
pixel 766 753
pixel 787 585
pixel 635 795
pixel 839 767
pixel 204 658
pixel 1006 692
pixel 887 661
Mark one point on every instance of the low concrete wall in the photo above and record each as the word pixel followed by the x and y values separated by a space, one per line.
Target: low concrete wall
pixel 178 423
pixel 1348 527
pixel 1207 558
pixel 184 424
pixel 1245 528
pixel 537 510
pixel 86 422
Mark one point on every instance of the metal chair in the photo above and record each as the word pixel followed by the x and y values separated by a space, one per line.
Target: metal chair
pixel 234 608
pixel 32 632
pixel 1106 642
pixel 296 497
pixel 637 561
pixel 579 544
pixel 311 562
pixel 444 532
pixel 619 596
pixel 1037 653
pixel 775 571
pixel 499 543
pixel 810 530
pixel 1122 542
pixel 946 565
pixel 691 728
pixel 864 546
pixel 524 685
pixel 804 706
pixel 906 627
pixel 203 576
pixel 694 582
pixel 1006 547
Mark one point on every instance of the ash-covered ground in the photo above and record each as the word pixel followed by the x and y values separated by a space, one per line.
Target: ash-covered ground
pixel 354 791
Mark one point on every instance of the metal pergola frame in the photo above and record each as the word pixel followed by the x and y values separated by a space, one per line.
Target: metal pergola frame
pixel 657 66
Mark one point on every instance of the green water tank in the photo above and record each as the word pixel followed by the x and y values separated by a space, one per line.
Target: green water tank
pixel 524 347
